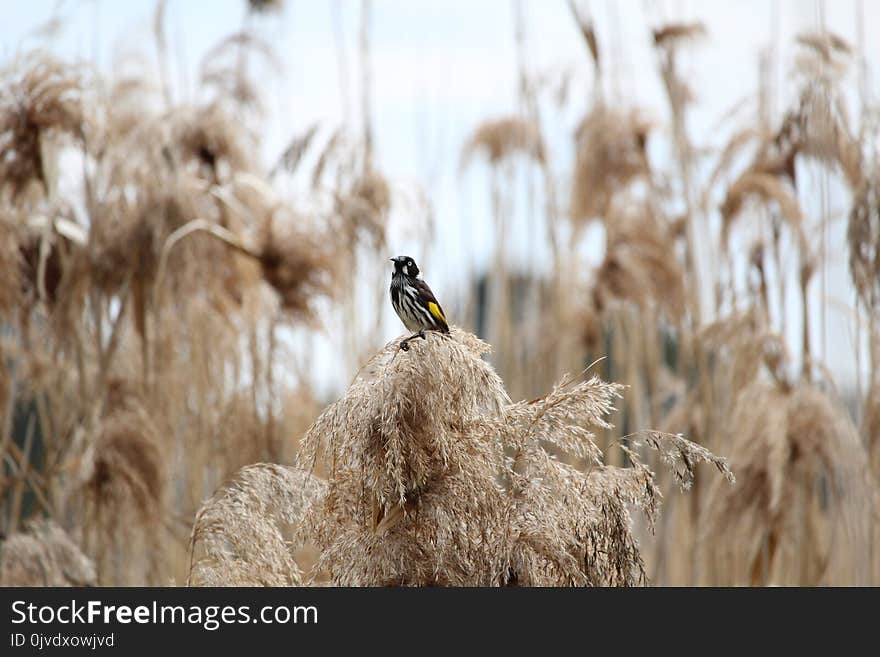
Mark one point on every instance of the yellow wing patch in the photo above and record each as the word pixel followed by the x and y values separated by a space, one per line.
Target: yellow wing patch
pixel 435 310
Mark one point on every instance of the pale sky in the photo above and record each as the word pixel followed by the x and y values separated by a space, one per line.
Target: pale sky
pixel 441 68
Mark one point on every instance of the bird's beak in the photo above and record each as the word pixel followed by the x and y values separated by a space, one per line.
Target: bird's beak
pixel 392 259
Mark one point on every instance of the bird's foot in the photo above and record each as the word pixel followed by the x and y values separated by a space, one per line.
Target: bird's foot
pixel 404 344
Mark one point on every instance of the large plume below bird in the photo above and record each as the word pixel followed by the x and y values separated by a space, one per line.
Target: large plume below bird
pixel 433 477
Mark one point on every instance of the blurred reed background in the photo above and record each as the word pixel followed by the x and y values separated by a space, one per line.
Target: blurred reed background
pixel 194 257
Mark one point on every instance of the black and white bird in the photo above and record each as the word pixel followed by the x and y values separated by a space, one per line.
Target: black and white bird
pixel 414 302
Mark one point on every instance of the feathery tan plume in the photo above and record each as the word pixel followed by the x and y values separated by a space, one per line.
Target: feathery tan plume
pixel 502 138
pixel 803 491
pixel 39 99
pixel 421 492
pixel 673 34
pixel 299 265
pixel 238 538
pixel 365 208
pixel 54 264
pixel 676 451
pixel 828 47
pixel 871 424
pixel 210 138
pixel 639 265
pixel 611 153
pixel 824 132
pixel 263 6
pixel 766 188
pixel 126 462
pixel 10 267
pixel 733 149
pixel 122 492
pixel 416 408
pixel 44 555
pixel 226 69
pixel 296 149
pixel 863 235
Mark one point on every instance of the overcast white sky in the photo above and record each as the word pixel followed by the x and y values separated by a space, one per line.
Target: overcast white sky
pixel 439 68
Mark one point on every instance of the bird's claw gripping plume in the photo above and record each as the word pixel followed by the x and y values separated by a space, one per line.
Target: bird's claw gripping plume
pixel 404 344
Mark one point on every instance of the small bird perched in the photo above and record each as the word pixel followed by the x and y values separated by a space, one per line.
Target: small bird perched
pixel 414 302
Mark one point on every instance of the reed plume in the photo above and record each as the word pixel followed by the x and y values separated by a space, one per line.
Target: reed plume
pixel 238 538
pixel 435 478
pixel 611 153
pixel 801 512
pixel 863 235
pixel 123 485
pixel 44 555
pixel 499 139
pixel 41 101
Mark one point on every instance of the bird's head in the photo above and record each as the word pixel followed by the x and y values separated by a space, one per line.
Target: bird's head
pixel 405 265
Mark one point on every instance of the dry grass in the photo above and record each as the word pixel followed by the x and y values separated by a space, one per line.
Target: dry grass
pixel 503 138
pixel 138 310
pixel 162 287
pixel 802 509
pixel 863 235
pixel 121 499
pixel 767 189
pixel 41 101
pixel 825 44
pixel 207 138
pixel 871 426
pixel 364 207
pixel 44 555
pixel 639 266
pixel 10 267
pixel 610 154
pixel 238 536
pixel 125 466
pixel 673 34
pixel 435 478
pixel 265 5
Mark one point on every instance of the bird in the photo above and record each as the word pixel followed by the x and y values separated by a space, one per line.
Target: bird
pixel 414 302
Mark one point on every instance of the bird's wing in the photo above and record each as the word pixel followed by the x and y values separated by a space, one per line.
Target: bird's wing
pixel 431 301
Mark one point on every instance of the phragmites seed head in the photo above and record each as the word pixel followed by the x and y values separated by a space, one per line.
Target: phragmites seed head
pixel 121 496
pixel 128 230
pixel 240 536
pixel 824 133
pixel 639 266
pixel 10 266
pixel 673 34
pixel 435 478
pixel 126 466
pixel 871 423
pixel 502 138
pixel 364 210
pixel 398 418
pixel 611 153
pixel 801 468
pixel 44 555
pixel 299 265
pixel 765 188
pixel 211 140
pixel 40 98
pixel 264 6
pixel 825 55
pixel 863 235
